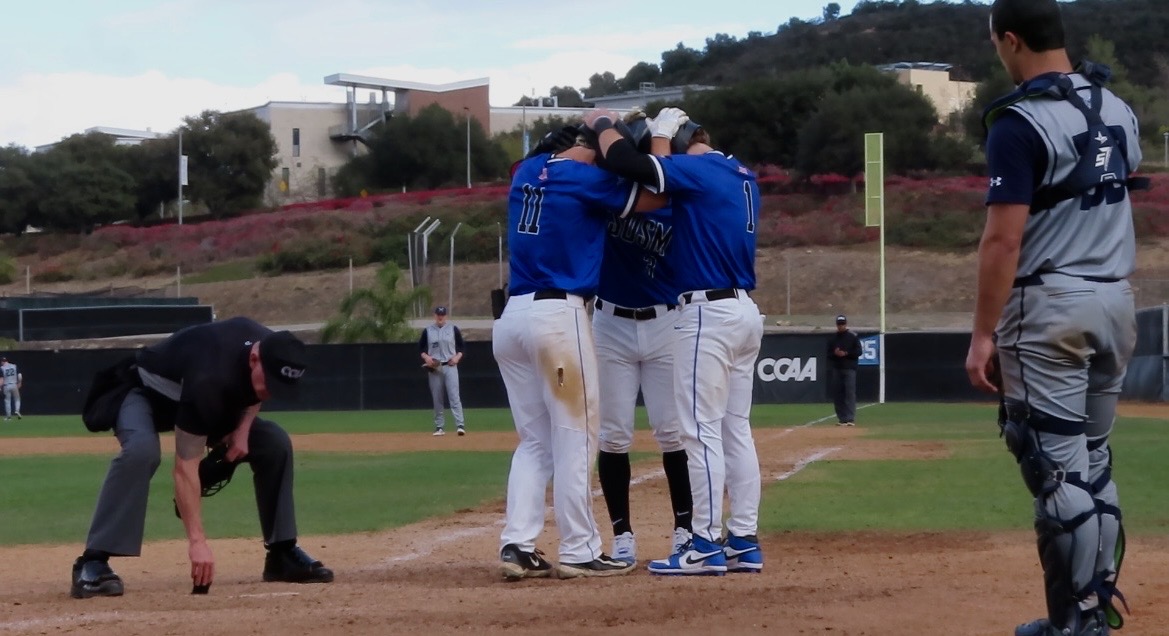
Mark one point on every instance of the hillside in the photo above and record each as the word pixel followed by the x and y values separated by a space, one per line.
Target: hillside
pixel 882 32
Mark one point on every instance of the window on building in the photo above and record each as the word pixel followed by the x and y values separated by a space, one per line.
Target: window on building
pixel 295 142
pixel 285 175
pixel 322 182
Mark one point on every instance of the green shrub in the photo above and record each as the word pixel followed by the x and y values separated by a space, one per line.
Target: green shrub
pixel 54 274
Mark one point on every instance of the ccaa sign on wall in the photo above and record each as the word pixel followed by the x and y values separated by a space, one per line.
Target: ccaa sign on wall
pixel 786 369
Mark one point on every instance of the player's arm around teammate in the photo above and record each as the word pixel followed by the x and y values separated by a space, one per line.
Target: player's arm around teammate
pixel 715 205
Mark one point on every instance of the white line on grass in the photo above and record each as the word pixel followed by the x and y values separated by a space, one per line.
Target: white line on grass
pixel 466 533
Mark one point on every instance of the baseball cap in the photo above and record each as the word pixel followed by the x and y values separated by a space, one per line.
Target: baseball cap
pixel 283 358
pixel 440 311
pixel 841 319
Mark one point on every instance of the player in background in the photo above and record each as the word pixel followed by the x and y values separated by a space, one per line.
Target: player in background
pixel 633 323
pixel 12 381
pixel 441 347
pixel 715 207
pixel 558 209
pixel 1054 300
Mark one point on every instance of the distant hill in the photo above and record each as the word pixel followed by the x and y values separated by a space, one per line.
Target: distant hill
pixel 911 31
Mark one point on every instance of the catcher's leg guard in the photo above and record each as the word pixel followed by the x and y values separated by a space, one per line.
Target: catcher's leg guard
pixel 1067 525
pixel 1112 544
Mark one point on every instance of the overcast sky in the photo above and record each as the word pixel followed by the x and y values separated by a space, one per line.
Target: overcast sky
pixel 67 65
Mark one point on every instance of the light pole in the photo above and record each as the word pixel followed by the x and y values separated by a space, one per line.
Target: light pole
pixel 1167 149
pixel 182 175
pixel 468 113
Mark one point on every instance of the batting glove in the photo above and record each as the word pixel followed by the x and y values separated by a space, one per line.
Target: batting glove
pixel 667 123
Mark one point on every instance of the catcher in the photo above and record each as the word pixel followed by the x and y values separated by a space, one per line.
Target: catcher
pixel 205 383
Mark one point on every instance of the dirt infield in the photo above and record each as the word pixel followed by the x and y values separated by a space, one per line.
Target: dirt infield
pixel 439 576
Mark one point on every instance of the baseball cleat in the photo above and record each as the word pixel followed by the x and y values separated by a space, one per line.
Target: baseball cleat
pixel 1092 624
pixel 19 416
pixel 743 554
pixel 682 536
pixel 517 564
pixel 697 557
pixel 294 565
pixel 603 565
pixel 461 431
pixel 94 578
pixel 438 432
pixel 625 548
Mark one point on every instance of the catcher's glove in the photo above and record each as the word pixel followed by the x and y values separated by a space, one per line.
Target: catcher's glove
pixel 215 472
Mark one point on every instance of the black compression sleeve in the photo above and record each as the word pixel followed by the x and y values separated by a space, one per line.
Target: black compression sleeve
pixel 623 159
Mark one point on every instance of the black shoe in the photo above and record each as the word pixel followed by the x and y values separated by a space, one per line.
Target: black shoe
pixel 603 565
pixel 518 564
pixel 295 566
pixel 94 578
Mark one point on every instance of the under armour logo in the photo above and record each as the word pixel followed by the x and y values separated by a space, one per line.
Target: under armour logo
pixel 291 373
pixel 996 182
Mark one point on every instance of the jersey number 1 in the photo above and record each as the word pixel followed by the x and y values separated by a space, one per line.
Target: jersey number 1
pixel 530 215
pixel 750 197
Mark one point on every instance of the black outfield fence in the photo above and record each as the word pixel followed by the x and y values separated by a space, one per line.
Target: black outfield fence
pixel 25 324
pixel 792 368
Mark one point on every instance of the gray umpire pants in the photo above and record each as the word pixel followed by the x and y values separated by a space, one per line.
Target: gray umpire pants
pixel 844 394
pixel 120 517
pixel 444 384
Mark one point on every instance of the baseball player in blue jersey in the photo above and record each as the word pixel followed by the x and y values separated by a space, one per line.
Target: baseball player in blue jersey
pixel 1053 296
pixel 714 201
pixel 558 210
pixel 633 323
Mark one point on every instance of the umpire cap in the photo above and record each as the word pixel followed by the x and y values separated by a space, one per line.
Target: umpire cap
pixel 283 357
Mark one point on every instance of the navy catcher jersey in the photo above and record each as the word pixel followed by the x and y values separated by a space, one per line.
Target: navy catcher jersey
pixel 715 202
pixel 636 270
pixel 557 212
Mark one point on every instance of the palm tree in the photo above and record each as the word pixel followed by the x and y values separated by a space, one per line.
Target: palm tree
pixel 377 314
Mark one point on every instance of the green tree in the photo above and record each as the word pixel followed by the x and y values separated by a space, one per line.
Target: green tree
pixel 997 85
pixel 154 166
pixel 18 191
pixel 377 314
pixel 680 63
pixel 601 84
pixel 426 151
pixel 81 184
pixel 639 73
pixel 231 159
pixel 831 11
pixel 567 97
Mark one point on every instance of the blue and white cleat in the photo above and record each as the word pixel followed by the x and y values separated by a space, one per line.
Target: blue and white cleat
pixel 698 557
pixel 743 554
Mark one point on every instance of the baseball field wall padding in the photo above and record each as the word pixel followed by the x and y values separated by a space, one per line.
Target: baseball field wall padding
pixel 791 368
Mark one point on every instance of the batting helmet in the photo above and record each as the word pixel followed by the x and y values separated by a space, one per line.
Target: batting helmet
pixel 681 141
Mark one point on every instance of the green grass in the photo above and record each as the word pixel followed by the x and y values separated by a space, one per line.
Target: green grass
pixel 51 499
pixel 977 487
pixel 221 272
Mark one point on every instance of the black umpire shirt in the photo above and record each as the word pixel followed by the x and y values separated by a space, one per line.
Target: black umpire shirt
pixel 851 344
pixel 209 363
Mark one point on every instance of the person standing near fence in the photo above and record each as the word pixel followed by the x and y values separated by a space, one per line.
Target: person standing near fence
pixel 1054 321
pixel 441 346
pixel 12 380
pixel 844 349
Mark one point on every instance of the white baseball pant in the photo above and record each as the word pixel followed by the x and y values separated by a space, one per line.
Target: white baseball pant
pixel 631 355
pixel 546 356
pixel 715 351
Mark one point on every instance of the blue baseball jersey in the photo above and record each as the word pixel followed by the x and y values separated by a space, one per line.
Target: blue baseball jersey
pixel 715 203
pixel 636 270
pixel 558 209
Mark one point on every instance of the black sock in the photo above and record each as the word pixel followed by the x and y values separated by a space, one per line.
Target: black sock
pixel 279 546
pixel 614 473
pixel 678 479
pixel 95 555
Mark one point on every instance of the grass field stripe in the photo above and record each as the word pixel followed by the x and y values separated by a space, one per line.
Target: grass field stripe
pixel 803 463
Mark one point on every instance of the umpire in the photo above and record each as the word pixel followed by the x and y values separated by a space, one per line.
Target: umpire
pixel 206 383
pixel 844 349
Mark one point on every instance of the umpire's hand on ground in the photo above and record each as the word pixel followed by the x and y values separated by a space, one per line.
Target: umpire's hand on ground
pixel 667 123
pixel 202 562
pixel 980 363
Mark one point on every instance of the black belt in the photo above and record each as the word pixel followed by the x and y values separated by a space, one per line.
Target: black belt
pixel 648 313
pixel 713 294
pixel 1037 279
pixel 550 294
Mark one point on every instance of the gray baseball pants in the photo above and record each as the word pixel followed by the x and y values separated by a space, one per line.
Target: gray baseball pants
pixel 444 384
pixel 844 394
pixel 120 516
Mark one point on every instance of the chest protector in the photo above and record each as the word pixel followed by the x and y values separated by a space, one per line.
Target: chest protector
pixel 1103 162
